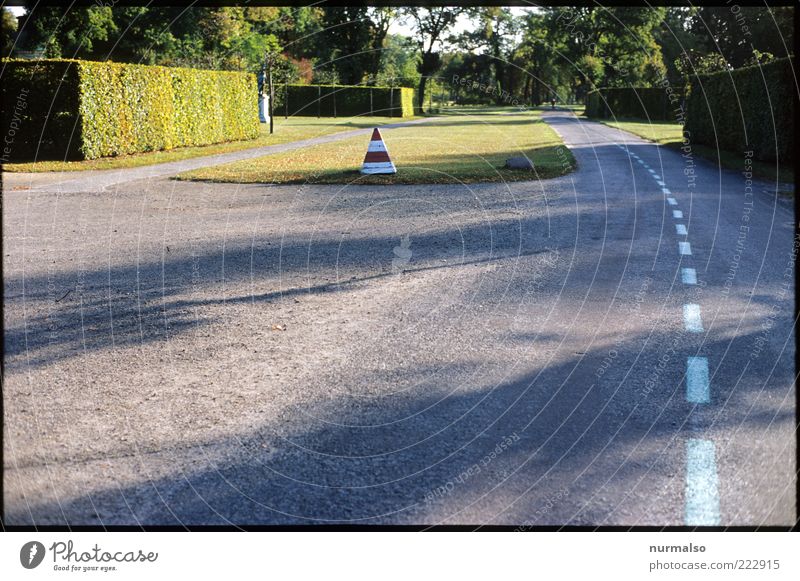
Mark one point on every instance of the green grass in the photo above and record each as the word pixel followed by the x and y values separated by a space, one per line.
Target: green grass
pixel 454 149
pixel 286 130
pixel 671 135
pixel 479 110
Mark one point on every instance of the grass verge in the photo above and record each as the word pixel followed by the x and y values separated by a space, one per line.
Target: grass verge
pixel 454 149
pixel 286 130
pixel 671 135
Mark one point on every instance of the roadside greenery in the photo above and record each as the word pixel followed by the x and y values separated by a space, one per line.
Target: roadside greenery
pixel 286 130
pixel 103 109
pixel 459 148
pixel 531 56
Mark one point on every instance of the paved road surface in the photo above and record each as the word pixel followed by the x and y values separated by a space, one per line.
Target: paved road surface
pixel 533 353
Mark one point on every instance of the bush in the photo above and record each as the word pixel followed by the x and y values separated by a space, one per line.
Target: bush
pixel 86 110
pixel 40 109
pixel 747 109
pixel 653 103
pixel 344 101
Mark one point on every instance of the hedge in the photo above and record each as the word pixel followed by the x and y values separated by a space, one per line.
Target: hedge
pixel 746 109
pixel 40 108
pixel 344 101
pixel 654 103
pixel 86 110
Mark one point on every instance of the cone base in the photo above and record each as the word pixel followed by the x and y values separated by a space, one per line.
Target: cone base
pixel 378 168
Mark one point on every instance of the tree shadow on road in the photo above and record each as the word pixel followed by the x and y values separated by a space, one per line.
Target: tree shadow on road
pixel 557 445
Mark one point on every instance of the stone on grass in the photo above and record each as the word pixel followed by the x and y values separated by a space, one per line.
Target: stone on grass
pixel 519 163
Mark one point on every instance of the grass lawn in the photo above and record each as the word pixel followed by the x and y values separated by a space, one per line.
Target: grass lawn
pixel 459 147
pixel 292 129
pixel 671 135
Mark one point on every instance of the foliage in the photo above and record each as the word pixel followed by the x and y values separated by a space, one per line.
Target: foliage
pixel 430 26
pixel 8 26
pixel 112 109
pixel 745 109
pixel 40 98
pixel 344 43
pixel 398 65
pixel 526 57
pixel 651 103
pixel 345 101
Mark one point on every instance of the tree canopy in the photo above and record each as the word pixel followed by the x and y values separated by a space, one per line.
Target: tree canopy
pixel 530 55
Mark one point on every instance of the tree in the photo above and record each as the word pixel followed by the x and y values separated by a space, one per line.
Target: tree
pixel 77 33
pixel 495 35
pixel 294 28
pixel 7 28
pixel 344 43
pixel 398 62
pixel 430 26
pixel 735 33
pixel 381 19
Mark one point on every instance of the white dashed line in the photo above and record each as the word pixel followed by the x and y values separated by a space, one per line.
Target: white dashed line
pixel 692 321
pixel 697 387
pixel 702 484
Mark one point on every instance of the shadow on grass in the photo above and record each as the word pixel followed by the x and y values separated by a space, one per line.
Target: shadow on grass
pixel 453 168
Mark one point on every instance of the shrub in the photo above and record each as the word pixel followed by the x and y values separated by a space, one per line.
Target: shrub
pixel 344 101
pixel 83 109
pixel 40 109
pixel 746 109
pixel 653 103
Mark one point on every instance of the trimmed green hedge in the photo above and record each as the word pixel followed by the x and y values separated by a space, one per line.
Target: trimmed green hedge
pixel 747 109
pixel 86 110
pixel 40 109
pixel 344 101
pixel 654 103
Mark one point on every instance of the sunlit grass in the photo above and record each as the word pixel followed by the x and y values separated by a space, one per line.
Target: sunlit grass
pixel 286 130
pixel 457 148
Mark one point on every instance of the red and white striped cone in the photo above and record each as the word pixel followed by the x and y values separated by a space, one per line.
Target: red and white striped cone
pixel 377 159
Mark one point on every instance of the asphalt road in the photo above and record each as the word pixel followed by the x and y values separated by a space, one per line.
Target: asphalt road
pixel 536 353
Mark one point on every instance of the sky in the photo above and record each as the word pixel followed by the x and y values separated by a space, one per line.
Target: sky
pixel 462 23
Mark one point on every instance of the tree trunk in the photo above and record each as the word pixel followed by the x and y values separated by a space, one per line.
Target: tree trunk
pixel 423 81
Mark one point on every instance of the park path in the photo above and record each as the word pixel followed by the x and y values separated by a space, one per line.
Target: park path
pixel 102 180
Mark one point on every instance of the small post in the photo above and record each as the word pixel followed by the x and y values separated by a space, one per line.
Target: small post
pixel 430 95
pixel 319 101
pixel 334 98
pixel 262 94
pixel 391 99
pixel 271 96
pixel 286 99
pixel 371 108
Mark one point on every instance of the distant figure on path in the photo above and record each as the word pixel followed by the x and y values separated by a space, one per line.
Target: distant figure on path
pixel 553 102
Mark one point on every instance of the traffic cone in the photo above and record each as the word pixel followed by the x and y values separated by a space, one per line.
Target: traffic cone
pixel 377 159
